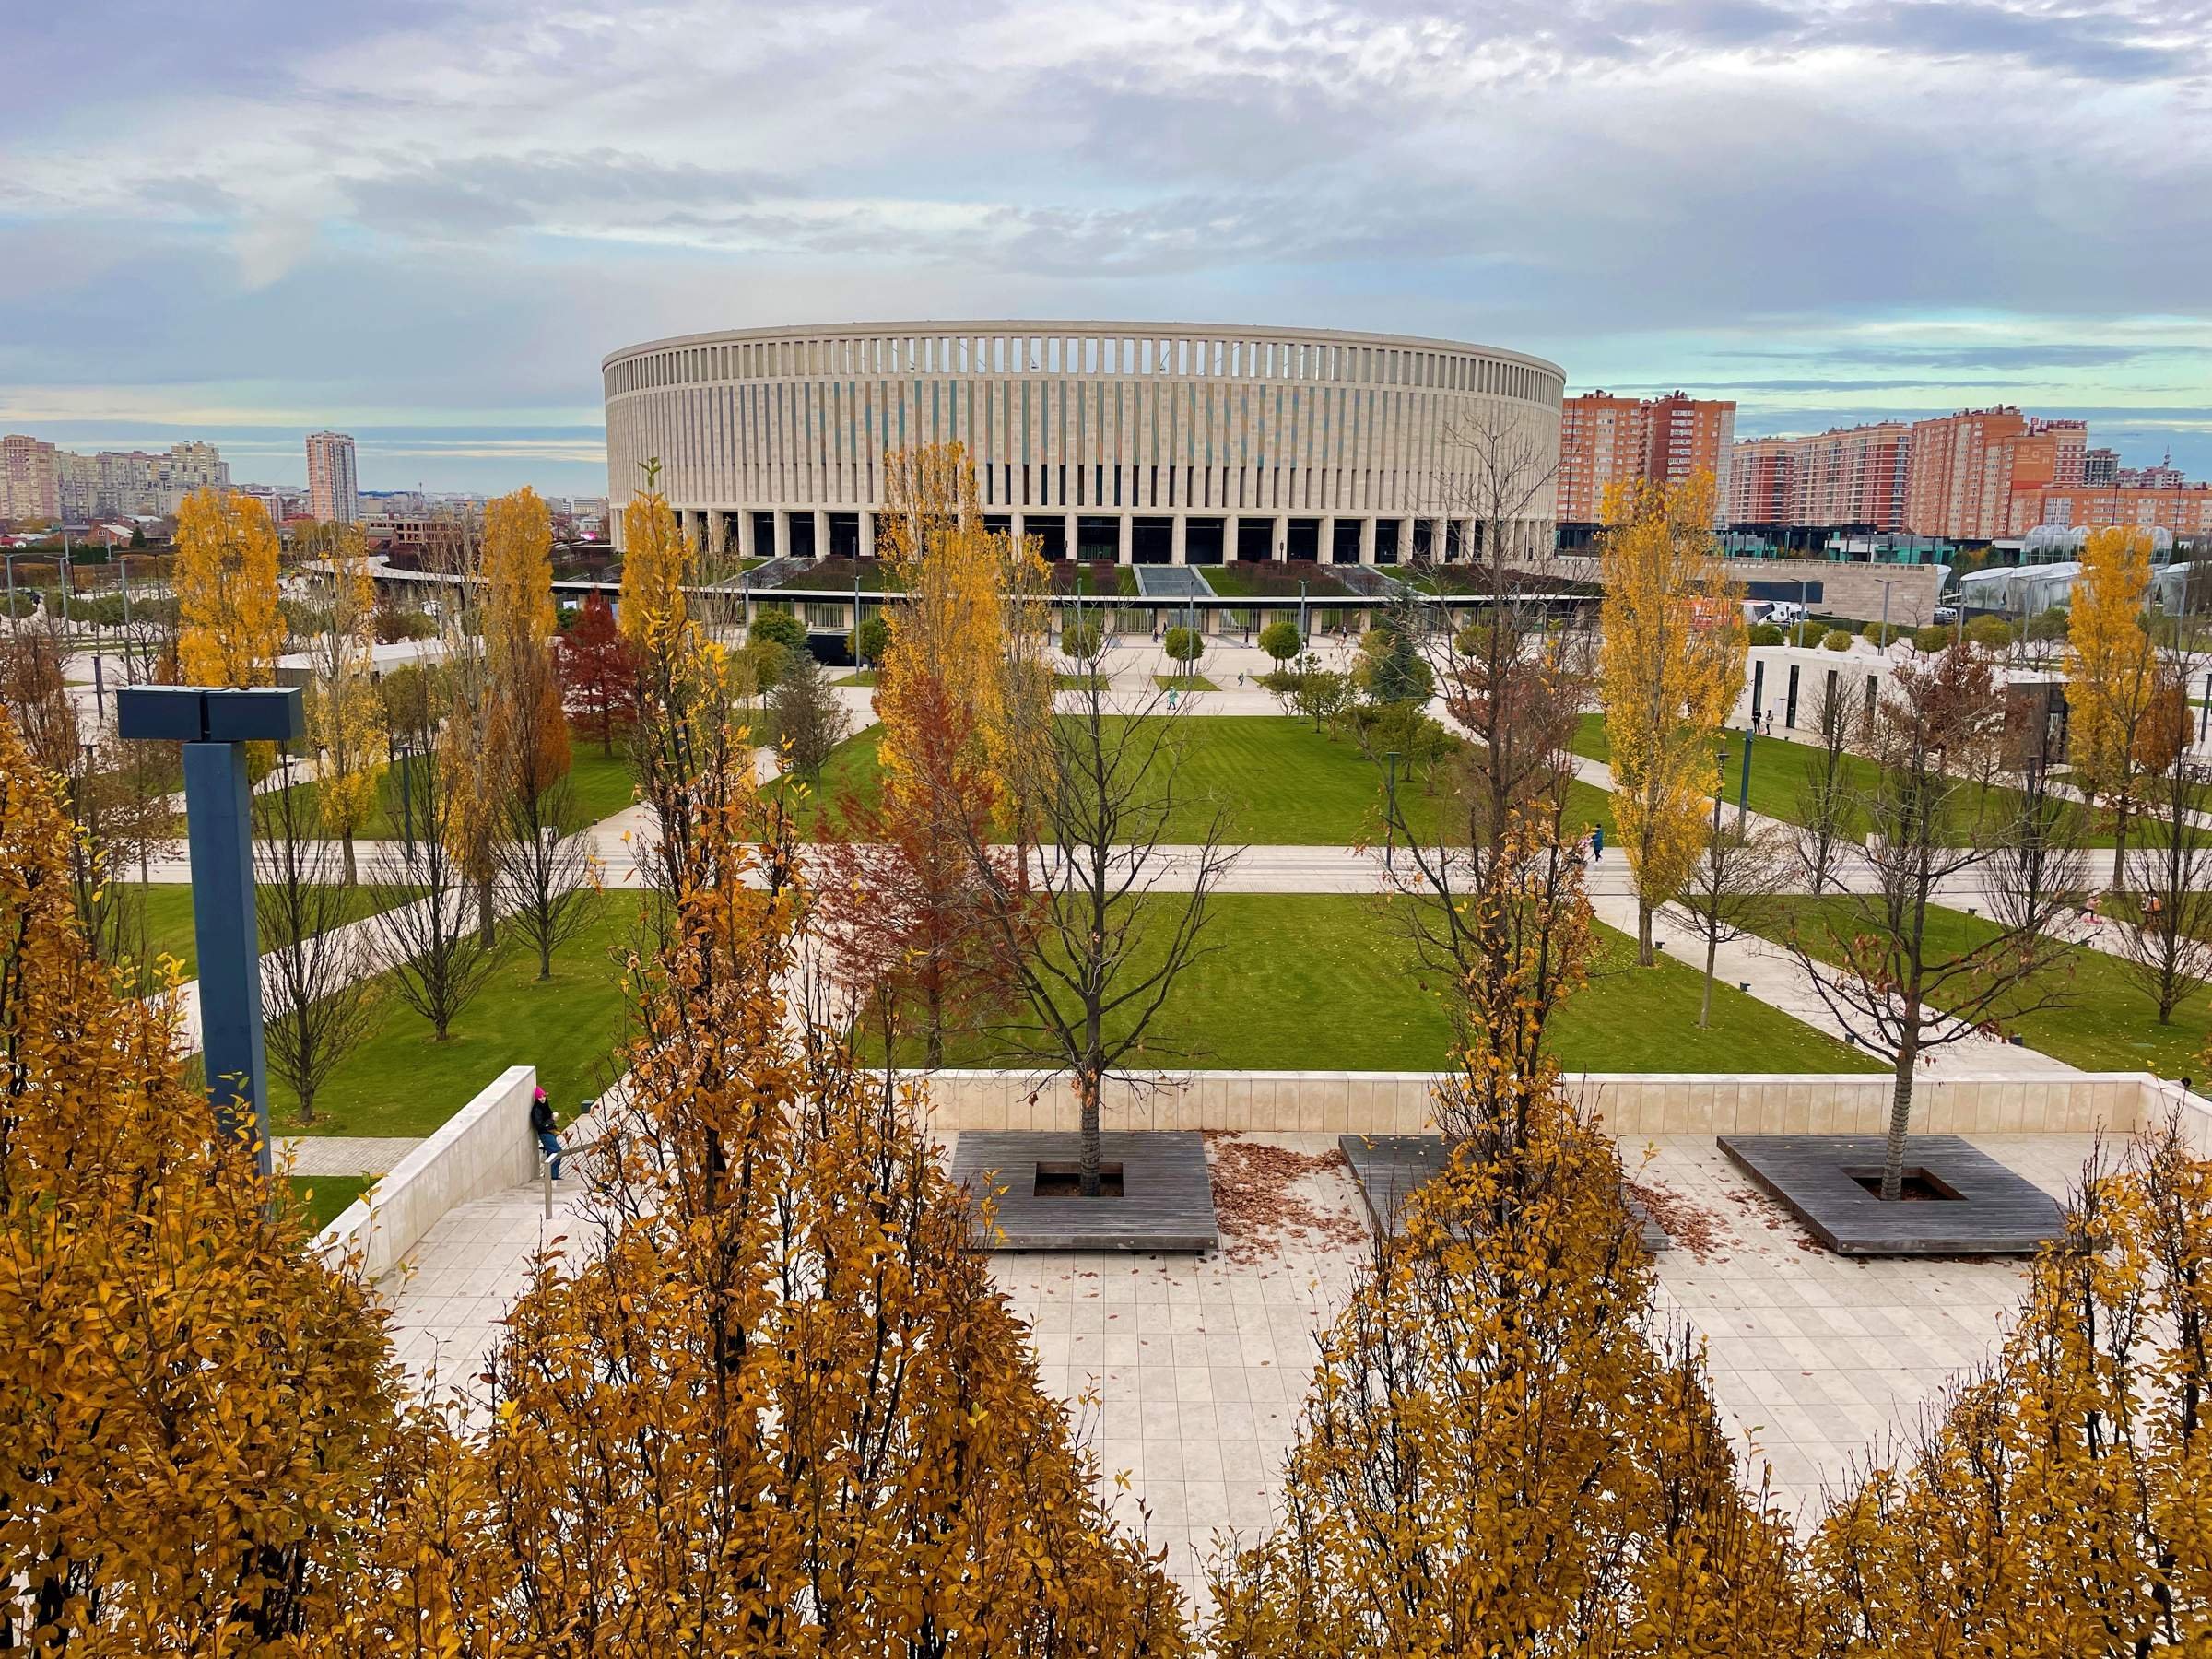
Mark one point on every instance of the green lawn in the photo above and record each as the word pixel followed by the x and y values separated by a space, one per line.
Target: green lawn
pixel 1183 682
pixel 1328 982
pixel 169 920
pixel 327 1196
pixel 1286 784
pixel 2108 1022
pixel 867 676
pixel 401 1082
pixel 600 786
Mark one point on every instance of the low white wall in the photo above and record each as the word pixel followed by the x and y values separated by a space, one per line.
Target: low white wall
pixel 484 1148
pixel 1629 1104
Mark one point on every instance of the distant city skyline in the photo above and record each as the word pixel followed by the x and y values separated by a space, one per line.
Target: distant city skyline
pixel 425 224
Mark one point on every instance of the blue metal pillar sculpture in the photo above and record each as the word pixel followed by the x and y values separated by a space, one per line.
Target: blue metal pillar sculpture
pixel 215 726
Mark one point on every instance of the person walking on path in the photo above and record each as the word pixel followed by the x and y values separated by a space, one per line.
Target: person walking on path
pixel 1597 843
pixel 541 1126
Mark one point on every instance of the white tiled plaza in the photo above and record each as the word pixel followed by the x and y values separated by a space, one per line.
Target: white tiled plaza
pixel 1187 1373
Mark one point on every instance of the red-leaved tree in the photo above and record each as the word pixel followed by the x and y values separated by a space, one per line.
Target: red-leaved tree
pixel 902 901
pixel 597 675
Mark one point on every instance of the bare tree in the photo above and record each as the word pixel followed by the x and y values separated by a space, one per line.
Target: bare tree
pixel 319 988
pixel 1741 867
pixel 547 875
pixel 1095 945
pixel 424 915
pixel 1934 822
pixel 2165 942
pixel 810 721
pixel 1824 796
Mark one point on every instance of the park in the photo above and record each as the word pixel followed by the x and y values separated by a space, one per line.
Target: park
pixel 1171 1018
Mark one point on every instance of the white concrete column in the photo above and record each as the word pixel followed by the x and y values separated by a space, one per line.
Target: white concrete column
pixel 1367 540
pixel 717 530
pixel 1228 539
pixel 1176 547
pixel 1017 526
pixel 1068 531
pixel 867 533
pixel 1281 550
pixel 1325 545
pixel 1126 531
pixel 1440 540
pixel 745 534
pixel 782 532
pixel 822 533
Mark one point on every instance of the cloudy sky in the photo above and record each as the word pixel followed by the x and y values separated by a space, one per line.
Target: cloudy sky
pixel 426 223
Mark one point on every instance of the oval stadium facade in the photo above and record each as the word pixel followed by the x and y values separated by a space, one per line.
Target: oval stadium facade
pixel 1146 443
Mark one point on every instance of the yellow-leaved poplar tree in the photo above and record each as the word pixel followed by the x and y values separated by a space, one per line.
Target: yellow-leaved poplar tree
pixel 970 632
pixel 2113 679
pixel 530 735
pixel 1497 1455
pixel 656 562
pixel 345 713
pixel 196 1413
pixel 1670 667
pixel 230 627
pixel 779 1405
pixel 2061 1504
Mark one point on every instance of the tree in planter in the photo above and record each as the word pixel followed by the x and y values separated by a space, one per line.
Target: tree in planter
pixel 319 990
pixel 810 721
pixel 1825 795
pixel 1095 950
pixel 1184 647
pixel 1932 821
pixel 1280 640
pixel 1740 867
pixel 423 900
pixel 598 673
pixel 2112 678
pixel 1670 665
pixel 2166 936
pixel 782 1283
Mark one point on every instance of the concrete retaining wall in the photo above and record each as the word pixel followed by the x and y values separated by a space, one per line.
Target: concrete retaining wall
pixel 484 1148
pixel 1630 1104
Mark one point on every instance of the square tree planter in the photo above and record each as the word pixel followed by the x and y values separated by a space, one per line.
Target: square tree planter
pixel 1391 1168
pixel 1959 1201
pixel 1162 1192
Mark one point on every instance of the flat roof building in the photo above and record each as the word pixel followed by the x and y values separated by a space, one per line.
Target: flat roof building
pixel 1144 442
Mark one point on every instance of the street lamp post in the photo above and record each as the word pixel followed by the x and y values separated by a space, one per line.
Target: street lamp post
pixel 214 725
pixel 1743 794
pixel 1390 823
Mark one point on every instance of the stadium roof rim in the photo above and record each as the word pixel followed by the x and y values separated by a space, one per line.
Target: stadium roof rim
pixel 1048 326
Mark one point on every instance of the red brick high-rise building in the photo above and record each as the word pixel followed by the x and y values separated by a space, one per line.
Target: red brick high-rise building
pixel 1966 467
pixel 1847 478
pixel 1605 441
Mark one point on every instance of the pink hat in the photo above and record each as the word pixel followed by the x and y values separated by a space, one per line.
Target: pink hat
pixel 537 1094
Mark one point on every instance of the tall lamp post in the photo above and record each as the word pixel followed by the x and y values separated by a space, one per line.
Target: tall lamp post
pixel 1390 824
pixel 215 727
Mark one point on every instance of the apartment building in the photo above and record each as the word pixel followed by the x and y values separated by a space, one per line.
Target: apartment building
pixel 2180 509
pixel 29 480
pixel 1844 478
pixel 1607 441
pixel 1964 469
pixel 333 485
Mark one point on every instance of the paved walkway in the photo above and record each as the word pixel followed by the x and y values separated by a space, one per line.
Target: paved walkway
pixel 344 1154
pixel 1198 1366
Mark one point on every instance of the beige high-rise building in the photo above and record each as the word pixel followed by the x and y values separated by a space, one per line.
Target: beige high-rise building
pixel 29 480
pixel 332 487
